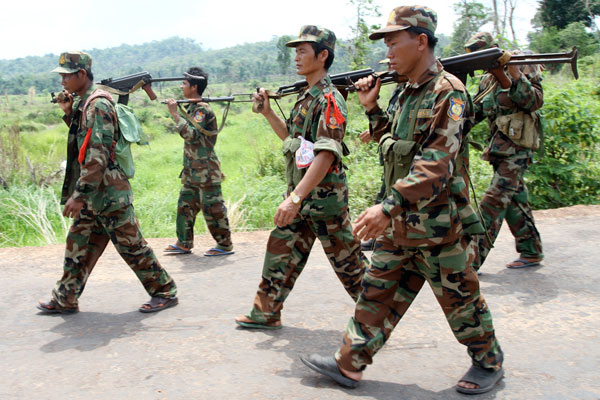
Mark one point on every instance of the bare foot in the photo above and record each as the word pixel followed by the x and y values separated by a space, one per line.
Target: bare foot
pixel 357 376
pixel 467 385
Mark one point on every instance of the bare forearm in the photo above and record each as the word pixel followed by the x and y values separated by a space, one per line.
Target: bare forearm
pixel 315 173
pixel 277 124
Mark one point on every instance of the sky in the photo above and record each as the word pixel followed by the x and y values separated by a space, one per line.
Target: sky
pixel 36 27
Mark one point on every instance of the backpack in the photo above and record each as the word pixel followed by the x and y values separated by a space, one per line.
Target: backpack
pixel 131 132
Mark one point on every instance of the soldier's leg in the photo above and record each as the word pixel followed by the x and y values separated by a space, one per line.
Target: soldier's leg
pixel 496 200
pixel 519 218
pixel 390 285
pixel 456 288
pixel 123 228
pixel 86 241
pixel 288 249
pixel 188 206
pixel 343 250
pixel 215 215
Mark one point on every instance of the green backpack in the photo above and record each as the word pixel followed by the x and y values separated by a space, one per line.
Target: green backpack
pixel 131 132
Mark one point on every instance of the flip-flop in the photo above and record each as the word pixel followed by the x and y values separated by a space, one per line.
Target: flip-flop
pixel 486 380
pixel 523 263
pixel 257 325
pixel 328 367
pixel 219 252
pixel 158 304
pixel 174 249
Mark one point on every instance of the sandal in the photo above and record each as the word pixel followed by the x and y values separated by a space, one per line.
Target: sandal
pixel 215 252
pixel 523 263
pixel 52 307
pixel 158 304
pixel 174 249
pixel 258 325
pixel 485 379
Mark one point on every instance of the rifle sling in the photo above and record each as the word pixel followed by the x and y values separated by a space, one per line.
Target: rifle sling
pixel 195 124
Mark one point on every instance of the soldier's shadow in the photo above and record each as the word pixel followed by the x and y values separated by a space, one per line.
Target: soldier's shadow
pixel 198 263
pixel 295 342
pixel 528 285
pixel 91 330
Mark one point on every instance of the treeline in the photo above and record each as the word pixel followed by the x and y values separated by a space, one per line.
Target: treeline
pixel 249 62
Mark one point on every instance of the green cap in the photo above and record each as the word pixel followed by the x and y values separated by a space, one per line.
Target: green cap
pixel 315 34
pixel 73 61
pixel 479 41
pixel 406 16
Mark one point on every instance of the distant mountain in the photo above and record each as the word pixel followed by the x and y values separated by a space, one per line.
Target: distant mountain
pixel 171 57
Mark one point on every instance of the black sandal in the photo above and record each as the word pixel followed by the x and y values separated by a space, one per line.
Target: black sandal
pixel 52 307
pixel 158 304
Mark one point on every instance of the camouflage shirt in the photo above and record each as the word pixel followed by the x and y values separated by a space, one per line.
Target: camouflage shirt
pixel 101 183
pixel 524 94
pixel 201 166
pixel 430 205
pixel 308 119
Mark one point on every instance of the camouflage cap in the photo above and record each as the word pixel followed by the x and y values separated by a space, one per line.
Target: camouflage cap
pixel 315 34
pixel 73 61
pixel 479 41
pixel 406 16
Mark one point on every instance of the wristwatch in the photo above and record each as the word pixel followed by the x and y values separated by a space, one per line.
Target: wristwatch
pixel 295 198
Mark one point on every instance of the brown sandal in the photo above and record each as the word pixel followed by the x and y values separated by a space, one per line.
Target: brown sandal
pixel 52 307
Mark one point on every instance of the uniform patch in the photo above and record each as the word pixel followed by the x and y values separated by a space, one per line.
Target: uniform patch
pixel 198 116
pixel 303 111
pixel 332 124
pixel 456 109
pixel 425 113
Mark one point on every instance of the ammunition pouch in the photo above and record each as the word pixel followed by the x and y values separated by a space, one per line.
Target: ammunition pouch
pixel 293 175
pixel 523 129
pixel 397 158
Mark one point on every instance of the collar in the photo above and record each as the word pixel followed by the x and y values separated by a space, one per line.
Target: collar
pixel 317 88
pixel 86 95
pixel 427 75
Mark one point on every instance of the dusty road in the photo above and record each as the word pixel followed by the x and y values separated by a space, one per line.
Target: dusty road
pixel 546 319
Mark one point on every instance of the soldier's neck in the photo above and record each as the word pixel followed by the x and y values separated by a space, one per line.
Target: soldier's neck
pixel 84 88
pixel 315 77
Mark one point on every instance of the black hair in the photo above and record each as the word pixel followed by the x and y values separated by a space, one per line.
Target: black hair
pixel 417 30
pixel 90 75
pixel 318 48
pixel 200 83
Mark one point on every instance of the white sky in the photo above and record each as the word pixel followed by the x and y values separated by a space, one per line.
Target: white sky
pixel 36 27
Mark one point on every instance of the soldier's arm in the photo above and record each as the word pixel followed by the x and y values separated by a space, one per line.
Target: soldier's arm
pixel 527 95
pixel 188 132
pixel 434 163
pixel 101 119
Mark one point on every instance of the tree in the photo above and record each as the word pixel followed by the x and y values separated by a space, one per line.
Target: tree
pixel 360 31
pixel 560 13
pixel 471 16
pixel 284 54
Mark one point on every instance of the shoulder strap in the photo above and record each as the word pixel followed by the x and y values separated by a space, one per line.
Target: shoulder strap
pixel 192 121
pixel 98 93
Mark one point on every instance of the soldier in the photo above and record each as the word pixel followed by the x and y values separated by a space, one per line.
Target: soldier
pixel 316 204
pixel 424 227
pixel 507 101
pixel 201 175
pixel 98 196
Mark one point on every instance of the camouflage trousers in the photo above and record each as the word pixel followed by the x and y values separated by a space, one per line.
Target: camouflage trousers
pixel 87 238
pixel 209 199
pixel 392 282
pixel 507 198
pixel 288 249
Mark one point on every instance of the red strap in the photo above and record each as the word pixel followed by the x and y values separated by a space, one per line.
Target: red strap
pixel 83 149
pixel 339 118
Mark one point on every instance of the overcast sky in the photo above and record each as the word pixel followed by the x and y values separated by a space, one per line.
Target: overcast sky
pixel 36 27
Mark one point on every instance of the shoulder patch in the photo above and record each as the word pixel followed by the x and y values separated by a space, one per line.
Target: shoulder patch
pixel 456 109
pixel 198 116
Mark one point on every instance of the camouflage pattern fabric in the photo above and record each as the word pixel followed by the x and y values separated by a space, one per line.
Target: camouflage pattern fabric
pixel 405 17
pixel 201 178
pixel 201 165
pixel 507 196
pixel 429 237
pixel 479 41
pixel 323 213
pixel 209 200
pixel 73 61
pixel 287 252
pixel 392 282
pixel 314 34
pixel 107 212
pixel 86 241
pixel 431 205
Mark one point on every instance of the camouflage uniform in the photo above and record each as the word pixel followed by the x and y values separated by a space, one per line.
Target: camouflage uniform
pixel 201 178
pixel 108 212
pixel 507 197
pixel 323 213
pixel 429 237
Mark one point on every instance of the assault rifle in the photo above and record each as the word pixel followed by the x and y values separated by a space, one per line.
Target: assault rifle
pixel 220 99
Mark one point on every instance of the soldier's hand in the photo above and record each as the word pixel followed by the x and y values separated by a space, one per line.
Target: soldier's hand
pixel 514 71
pixel 261 102
pixel 286 212
pixel 501 77
pixel 65 102
pixel 172 106
pixel 368 91
pixel 365 136
pixel 371 223
pixel 72 208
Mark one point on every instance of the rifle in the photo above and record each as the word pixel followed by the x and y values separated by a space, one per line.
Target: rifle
pixel 220 99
